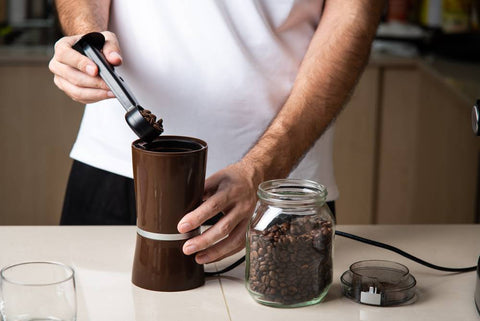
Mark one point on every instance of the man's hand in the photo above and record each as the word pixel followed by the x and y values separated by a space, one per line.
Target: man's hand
pixel 77 75
pixel 233 192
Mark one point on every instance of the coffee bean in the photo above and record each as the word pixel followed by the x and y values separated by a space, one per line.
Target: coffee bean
pixel 292 289
pixel 152 119
pixel 290 255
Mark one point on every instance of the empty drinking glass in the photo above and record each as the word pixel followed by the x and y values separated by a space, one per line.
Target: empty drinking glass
pixel 38 291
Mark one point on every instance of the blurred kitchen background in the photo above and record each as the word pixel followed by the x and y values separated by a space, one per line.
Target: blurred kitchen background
pixel 404 150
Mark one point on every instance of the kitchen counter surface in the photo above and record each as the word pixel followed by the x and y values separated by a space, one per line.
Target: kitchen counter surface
pixel 102 258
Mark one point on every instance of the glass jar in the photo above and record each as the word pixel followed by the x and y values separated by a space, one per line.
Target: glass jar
pixel 289 244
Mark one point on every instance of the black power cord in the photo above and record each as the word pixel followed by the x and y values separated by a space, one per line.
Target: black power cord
pixel 370 242
pixel 228 268
pixel 405 254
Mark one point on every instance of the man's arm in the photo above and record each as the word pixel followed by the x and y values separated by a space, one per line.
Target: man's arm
pixel 332 65
pixel 74 73
pixel 330 69
pixel 83 16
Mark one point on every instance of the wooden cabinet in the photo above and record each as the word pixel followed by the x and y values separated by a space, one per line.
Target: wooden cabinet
pixel 356 131
pixel 418 160
pixel 399 131
pixel 38 125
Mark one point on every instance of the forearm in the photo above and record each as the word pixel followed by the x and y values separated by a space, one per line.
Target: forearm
pixel 329 71
pixel 83 16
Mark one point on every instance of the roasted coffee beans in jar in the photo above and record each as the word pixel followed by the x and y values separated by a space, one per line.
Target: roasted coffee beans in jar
pixel 289 244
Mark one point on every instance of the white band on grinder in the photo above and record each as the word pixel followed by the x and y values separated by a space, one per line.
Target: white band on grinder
pixel 167 237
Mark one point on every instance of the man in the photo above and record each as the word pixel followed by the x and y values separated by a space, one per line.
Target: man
pixel 260 80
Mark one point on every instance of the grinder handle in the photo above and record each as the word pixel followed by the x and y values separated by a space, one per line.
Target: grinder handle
pixel 91 45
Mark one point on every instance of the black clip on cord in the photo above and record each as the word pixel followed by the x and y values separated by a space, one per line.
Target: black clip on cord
pixel 370 242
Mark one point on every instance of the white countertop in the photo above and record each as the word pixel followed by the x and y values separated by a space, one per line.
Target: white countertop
pixel 102 258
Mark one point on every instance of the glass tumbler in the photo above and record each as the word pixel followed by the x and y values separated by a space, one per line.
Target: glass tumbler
pixel 38 291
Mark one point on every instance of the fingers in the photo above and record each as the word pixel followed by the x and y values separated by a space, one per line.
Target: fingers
pixel 77 75
pixel 215 233
pixel 81 94
pixel 111 48
pixel 229 191
pixel 224 238
pixel 226 247
pixel 208 209
pixel 66 55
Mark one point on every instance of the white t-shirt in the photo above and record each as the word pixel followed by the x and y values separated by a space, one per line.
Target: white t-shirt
pixel 216 70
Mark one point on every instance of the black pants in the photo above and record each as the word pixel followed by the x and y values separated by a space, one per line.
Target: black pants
pixel 97 197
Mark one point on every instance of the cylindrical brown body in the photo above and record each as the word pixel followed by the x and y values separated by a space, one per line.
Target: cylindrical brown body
pixel 169 178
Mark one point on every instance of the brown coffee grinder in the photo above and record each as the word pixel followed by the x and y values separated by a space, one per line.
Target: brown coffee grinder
pixel 169 174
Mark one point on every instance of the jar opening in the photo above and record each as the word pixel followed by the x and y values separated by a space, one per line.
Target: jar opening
pixel 292 191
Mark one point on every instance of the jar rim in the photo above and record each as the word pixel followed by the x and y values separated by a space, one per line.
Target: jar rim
pixel 292 191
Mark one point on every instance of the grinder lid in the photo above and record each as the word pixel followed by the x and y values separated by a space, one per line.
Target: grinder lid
pixel 378 282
